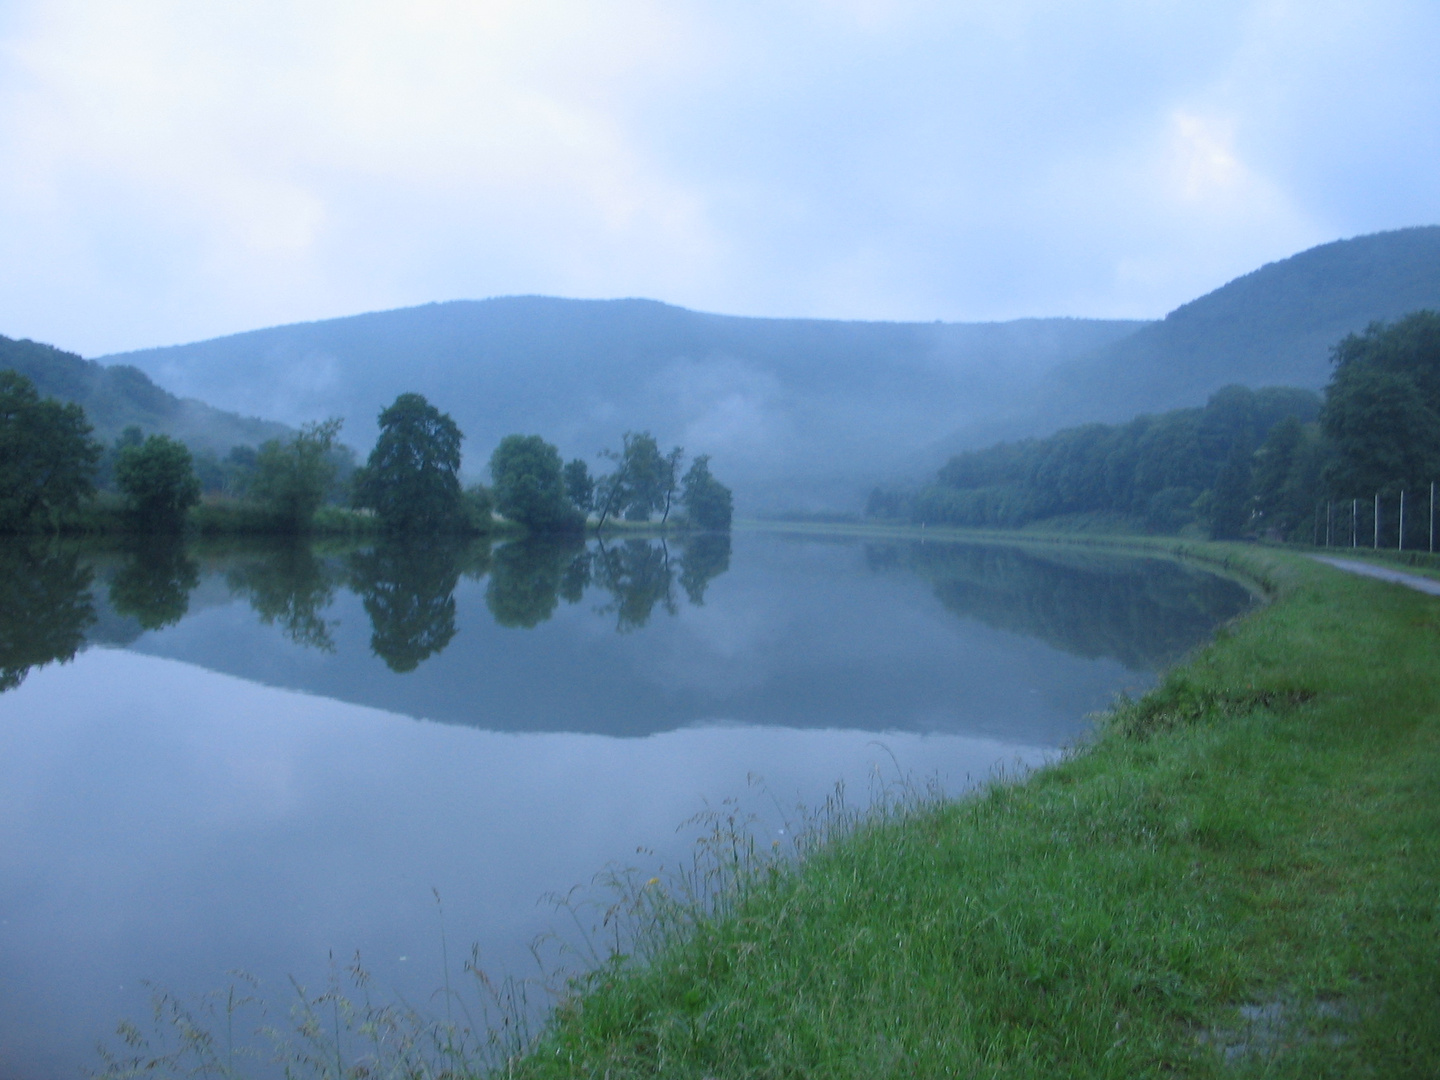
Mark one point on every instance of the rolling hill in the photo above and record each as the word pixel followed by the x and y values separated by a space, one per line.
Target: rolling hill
pixel 119 395
pixel 791 409
pixel 1272 327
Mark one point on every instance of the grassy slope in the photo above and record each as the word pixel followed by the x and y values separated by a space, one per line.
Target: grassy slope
pixel 1264 829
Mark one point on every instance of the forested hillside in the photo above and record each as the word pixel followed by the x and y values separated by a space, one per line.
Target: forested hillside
pixel 1150 471
pixel 1272 327
pixel 118 396
pixel 770 399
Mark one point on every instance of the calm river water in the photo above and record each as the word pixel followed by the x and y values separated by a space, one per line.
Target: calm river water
pixel 257 758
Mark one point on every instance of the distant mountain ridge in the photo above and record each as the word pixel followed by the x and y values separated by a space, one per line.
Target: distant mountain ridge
pixel 775 401
pixel 1274 326
pixel 119 395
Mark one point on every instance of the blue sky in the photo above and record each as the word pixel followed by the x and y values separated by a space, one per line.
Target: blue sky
pixel 176 170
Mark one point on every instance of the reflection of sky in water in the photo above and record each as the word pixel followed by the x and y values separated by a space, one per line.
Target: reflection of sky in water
pixel 177 810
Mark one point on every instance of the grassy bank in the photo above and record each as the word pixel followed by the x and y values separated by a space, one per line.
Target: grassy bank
pixel 1239 875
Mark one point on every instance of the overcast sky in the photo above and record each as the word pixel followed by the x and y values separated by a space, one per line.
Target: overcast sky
pixel 172 170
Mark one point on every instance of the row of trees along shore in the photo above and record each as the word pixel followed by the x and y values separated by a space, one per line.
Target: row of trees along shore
pixel 52 473
pixel 1273 463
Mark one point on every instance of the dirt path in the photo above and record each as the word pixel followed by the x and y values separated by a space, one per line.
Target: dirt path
pixel 1399 577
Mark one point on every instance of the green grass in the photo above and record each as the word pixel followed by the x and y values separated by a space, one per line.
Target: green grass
pixel 1261 831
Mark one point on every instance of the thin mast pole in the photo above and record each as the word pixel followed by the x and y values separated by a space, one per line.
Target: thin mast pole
pixel 1400 540
pixel 1355 521
pixel 1377 521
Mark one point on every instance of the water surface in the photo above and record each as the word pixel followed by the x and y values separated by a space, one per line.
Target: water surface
pixel 256 757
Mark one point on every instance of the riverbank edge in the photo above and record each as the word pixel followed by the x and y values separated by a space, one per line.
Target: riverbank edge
pixel 1234 875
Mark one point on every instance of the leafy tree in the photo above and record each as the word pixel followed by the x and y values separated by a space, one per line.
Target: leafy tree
pixel 1228 509
pixel 708 503
pixel 580 486
pixel 45 608
pixel 292 477
pixel 105 471
pixel 1382 407
pixel 412 478
pixel 644 480
pixel 529 485
pixel 158 477
pixel 47 458
pixel 479 505
pixel 408 589
pixel 154 585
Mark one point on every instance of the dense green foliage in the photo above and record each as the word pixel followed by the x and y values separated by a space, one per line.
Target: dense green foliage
pixel 292 477
pixel 47 458
pixel 1382 408
pixel 529 485
pixel 1235 878
pixel 708 503
pixel 1153 469
pixel 644 480
pixel 1250 463
pixel 411 479
pixel 158 478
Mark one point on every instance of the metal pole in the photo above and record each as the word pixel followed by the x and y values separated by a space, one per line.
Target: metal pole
pixel 1432 517
pixel 1329 518
pixel 1377 521
pixel 1355 522
pixel 1400 540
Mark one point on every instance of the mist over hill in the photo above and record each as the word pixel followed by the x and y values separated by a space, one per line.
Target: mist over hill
pixel 792 410
pixel 117 396
pixel 801 413
pixel 1272 327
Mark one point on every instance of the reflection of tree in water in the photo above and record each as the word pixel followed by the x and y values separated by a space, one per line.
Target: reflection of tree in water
pixel 706 556
pixel 408 589
pixel 528 578
pixel 637 575
pixel 45 607
pixel 1145 613
pixel 288 585
pixel 153 586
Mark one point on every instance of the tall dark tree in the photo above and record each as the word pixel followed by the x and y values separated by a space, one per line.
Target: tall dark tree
pixel 47 458
pixel 529 485
pixel 158 477
pixel 292 476
pixel 412 478
pixel 644 481
pixel 708 503
pixel 1382 407
pixel 580 485
pixel 1229 505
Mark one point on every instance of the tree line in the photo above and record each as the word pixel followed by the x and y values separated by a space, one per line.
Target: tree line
pixel 1247 463
pixel 51 467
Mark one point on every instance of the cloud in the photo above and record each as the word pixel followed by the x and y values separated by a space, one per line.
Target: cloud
pixel 176 170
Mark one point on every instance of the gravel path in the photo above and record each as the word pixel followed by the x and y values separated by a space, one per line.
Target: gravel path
pixel 1399 577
